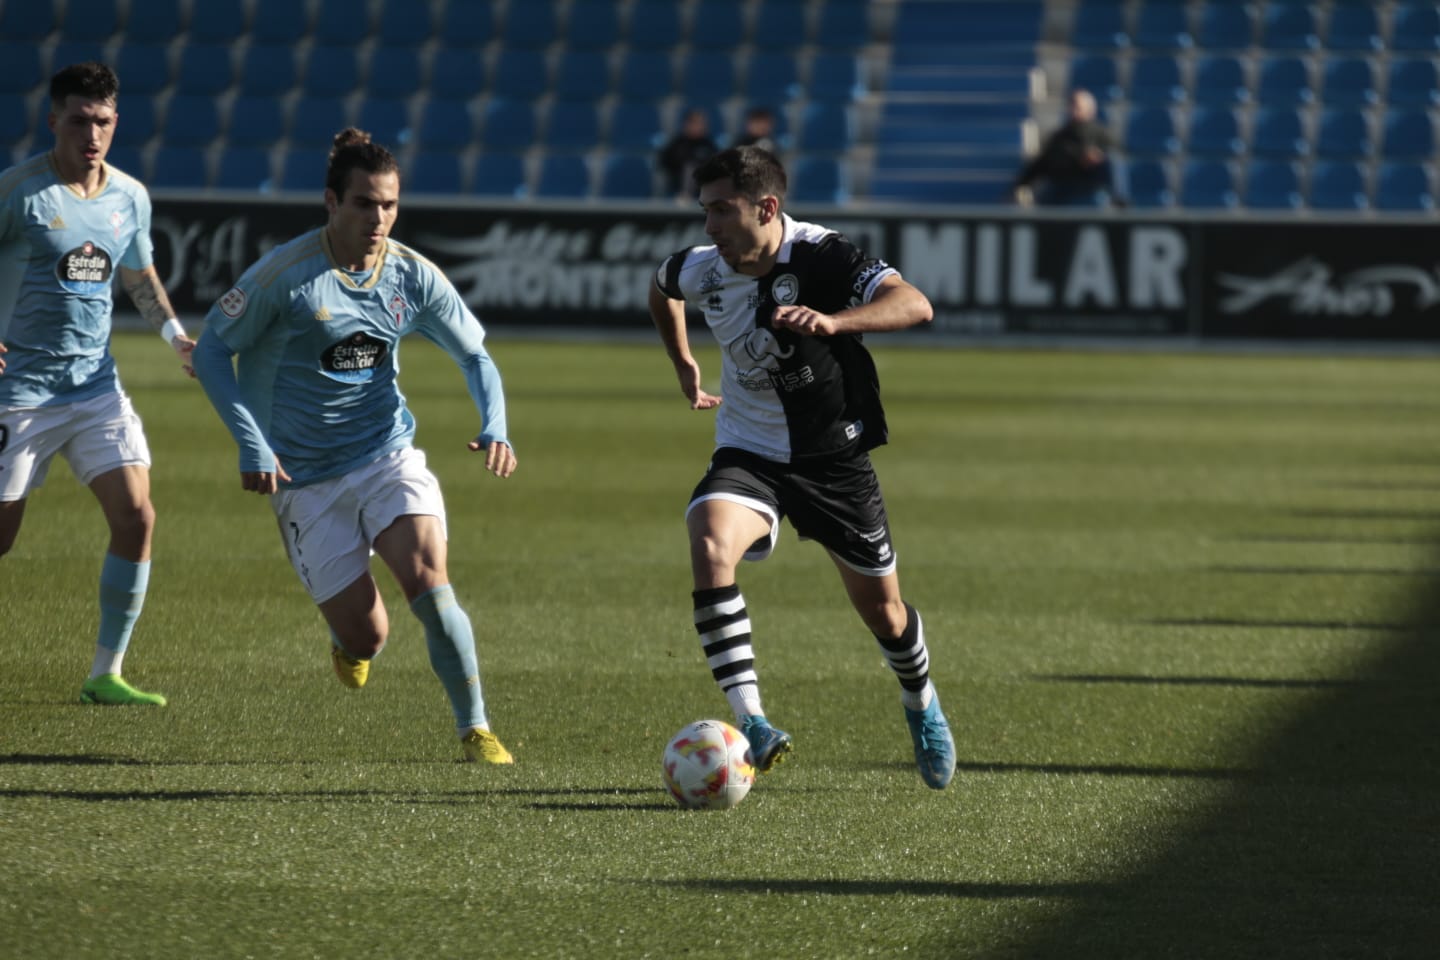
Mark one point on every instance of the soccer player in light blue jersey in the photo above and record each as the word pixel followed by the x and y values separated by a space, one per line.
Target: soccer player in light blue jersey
pixel 69 221
pixel 324 431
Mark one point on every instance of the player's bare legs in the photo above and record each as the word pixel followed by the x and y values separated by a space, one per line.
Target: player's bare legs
pixel 721 531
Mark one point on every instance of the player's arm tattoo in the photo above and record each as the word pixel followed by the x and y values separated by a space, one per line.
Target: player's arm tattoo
pixel 148 294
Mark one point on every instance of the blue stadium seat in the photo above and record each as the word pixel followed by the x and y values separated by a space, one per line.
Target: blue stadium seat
pixel 88 19
pixel 136 123
pixel 1338 186
pixel 1412 83
pixel 1348 82
pixel 340 22
pixel 717 25
pixel 20 70
pixel 1163 26
pixel 215 21
pixel 563 175
pixel 67 52
pixel 144 68
pixel 771 77
pixel 1150 132
pixel 529 26
pixel 1288 25
pixel 445 124
pixel 267 69
pixel 244 168
pixel 707 75
pixel 635 125
pixel 404 23
pixel 1156 79
pixel 467 25
pixel 1408 135
pixel 435 171
pixel 1279 132
pixel 592 25
pixel 1215 132
pixel 1353 27
pixel 456 73
pixel 1148 185
pixel 825 127
pixel 256 121
pixel 204 68
pixel 1096 73
pixel 645 75
pixel 499 174
pixel 304 169
pixel 627 176
pixel 582 75
pixel 279 22
pixel 1225 26
pixel 154 21
pixel 31 21
pixel 1273 185
pixel 835 77
pixel 1220 80
pixel 520 75
pixel 393 72
pixel 572 125
pixel 843 25
pixel 1285 82
pixel 780 25
pixel 316 120
pixel 1342 134
pixel 15 120
pixel 129 159
pixel 190 120
pixel 508 125
pixel 1099 25
pixel 1403 187
pixel 387 119
pixel 655 25
pixel 1208 184
pixel 330 71
pixel 180 167
pixel 1415 28
pixel 818 180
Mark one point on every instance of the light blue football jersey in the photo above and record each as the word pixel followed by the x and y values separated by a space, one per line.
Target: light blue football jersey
pixel 318 356
pixel 55 310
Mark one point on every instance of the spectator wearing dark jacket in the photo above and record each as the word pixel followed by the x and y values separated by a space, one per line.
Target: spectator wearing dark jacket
pixel 1073 168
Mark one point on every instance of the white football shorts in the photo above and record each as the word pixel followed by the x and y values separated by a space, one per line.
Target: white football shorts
pixel 328 526
pixel 94 436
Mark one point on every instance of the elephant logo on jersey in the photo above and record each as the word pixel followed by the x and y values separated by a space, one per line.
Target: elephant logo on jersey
pixel 757 357
pixel 84 270
pixel 785 289
pixel 354 359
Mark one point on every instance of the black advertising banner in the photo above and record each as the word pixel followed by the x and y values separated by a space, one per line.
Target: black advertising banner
pixel 1010 273
pixel 1327 281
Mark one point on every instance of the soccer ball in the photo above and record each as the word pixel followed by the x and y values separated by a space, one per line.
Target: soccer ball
pixel 707 766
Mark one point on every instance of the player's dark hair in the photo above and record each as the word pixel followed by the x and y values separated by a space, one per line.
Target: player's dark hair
pixel 91 80
pixel 755 172
pixel 353 150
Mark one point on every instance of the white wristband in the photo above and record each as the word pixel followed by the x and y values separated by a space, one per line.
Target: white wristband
pixel 171 330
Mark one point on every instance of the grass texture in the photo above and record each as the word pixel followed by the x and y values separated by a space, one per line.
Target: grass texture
pixel 1183 614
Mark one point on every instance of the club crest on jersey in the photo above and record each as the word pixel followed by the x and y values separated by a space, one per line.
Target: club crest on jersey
pixel 354 359
pixel 117 218
pixel 399 309
pixel 785 289
pixel 84 270
pixel 232 303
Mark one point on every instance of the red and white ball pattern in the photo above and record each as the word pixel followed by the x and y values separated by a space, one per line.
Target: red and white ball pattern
pixel 707 766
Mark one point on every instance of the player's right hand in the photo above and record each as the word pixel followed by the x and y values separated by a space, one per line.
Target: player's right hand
pixel 689 374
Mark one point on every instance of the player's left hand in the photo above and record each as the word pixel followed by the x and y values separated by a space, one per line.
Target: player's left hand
pixel 499 458
pixel 802 319
pixel 184 347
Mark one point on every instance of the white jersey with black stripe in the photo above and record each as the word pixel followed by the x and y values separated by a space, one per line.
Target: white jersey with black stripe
pixel 787 397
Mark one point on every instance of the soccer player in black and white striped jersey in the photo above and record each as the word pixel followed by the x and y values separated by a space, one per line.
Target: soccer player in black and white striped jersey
pixel 788 303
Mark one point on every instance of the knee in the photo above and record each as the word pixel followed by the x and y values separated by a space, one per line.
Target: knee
pixel 712 554
pixel 888 618
pixel 134 523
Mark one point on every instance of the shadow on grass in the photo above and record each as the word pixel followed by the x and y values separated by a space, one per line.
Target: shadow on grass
pixel 1249 624
pixel 890 888
pixel 1332 851
pixel 357 796
pixel 1280 683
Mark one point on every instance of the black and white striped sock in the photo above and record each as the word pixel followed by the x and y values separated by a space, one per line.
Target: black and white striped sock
pixel 724 628
pixel 910 659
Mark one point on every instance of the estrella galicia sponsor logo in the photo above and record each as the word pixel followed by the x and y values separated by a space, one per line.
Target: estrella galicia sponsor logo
pixel 786 289
pixel 84 270
pixel 354 359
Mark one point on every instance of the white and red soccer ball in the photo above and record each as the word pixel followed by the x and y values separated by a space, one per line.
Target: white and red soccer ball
pixel 707 766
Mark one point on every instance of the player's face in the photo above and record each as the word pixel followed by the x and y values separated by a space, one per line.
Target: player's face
pixel 361 219
pixel 83 130
pixel 738 226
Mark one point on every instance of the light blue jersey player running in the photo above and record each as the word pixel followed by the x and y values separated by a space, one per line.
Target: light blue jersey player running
pixel 68 221
pixel 324 431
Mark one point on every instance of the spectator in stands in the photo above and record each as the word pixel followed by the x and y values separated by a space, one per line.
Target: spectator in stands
pixel 759 129
pixel 685 151
pixel 1074 166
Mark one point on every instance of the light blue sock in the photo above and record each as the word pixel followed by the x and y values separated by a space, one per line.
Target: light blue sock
pixel 451 642
pixel 122 595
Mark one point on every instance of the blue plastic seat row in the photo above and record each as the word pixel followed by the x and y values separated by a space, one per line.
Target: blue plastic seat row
pixel 1227 25
pixel 1282 185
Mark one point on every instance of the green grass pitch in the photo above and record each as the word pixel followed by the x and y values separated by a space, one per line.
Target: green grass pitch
pixel 1183 614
